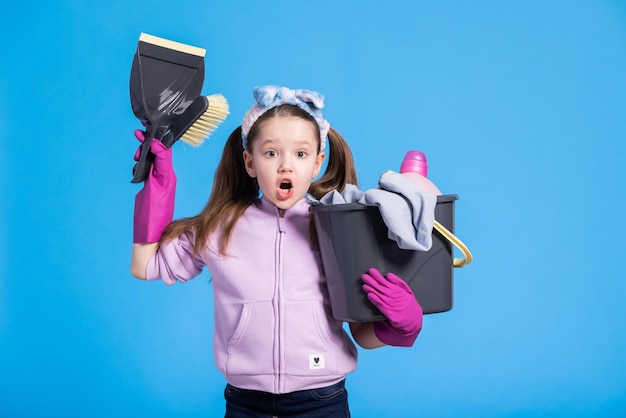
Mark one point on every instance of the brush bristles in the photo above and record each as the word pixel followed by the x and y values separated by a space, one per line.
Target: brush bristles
pixel 204 126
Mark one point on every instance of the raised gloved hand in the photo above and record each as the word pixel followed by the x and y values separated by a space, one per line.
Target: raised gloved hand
pixel 394 298
pixel 154 204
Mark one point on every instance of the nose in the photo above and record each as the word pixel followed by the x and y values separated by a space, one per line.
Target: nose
pixel 285 165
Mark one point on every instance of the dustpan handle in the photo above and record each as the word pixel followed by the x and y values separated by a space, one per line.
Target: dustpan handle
pixel 141 170
pixel 467 255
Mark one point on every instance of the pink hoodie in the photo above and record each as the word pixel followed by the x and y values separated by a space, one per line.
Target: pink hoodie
pixel 274 330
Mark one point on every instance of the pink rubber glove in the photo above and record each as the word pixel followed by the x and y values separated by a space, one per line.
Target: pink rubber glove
pixel 154 204
pixel 394 298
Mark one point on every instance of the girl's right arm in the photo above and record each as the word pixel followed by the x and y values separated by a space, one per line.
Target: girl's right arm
pixel 154 207
pixel 139 259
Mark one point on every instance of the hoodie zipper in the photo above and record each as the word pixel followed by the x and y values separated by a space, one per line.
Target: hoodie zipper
pixel 278 309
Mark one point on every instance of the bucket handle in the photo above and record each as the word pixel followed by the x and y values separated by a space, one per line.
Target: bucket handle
pixel 467 255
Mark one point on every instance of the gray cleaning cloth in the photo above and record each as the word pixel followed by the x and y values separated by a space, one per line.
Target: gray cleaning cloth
pixel 408 212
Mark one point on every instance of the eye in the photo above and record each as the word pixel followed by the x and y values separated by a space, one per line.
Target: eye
pixel 270 153
pixel 301 154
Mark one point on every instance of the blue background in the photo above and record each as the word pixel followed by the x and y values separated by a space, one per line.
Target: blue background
pixel 519 106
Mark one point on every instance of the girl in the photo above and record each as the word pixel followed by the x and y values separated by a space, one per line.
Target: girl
pixel 275 339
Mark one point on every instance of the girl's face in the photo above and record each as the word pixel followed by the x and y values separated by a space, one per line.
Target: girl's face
pixel 284 159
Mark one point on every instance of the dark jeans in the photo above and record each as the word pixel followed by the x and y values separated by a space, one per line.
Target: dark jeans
pixel 328 402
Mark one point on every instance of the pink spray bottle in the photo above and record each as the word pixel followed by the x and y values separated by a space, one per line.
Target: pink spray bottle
pixel 415 168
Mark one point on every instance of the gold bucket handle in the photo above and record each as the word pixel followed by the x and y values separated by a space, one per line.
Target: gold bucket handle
pixel 467 255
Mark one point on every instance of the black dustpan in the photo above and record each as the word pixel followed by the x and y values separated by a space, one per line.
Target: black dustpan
pixel 165 79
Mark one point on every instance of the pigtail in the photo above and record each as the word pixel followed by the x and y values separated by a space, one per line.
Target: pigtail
pixel 340 169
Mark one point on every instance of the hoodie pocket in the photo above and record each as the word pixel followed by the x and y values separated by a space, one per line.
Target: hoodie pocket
pixel 250 349
pixel 315 343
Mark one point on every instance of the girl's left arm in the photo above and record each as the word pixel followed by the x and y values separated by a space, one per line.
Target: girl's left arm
pixel 396 301
pixel 364 335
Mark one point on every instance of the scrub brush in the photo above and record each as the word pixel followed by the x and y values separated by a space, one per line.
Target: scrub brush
pixel 199 121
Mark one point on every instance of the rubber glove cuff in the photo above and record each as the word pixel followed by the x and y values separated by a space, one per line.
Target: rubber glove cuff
pixel 391 336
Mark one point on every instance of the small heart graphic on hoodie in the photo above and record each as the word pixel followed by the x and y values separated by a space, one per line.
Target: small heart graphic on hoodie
pixel 316 361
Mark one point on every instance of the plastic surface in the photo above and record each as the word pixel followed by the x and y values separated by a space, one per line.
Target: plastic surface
pixel 467 255
pixel 164 82
pixel 353 238
pixel 422 183
pixel 415 168
pixel 414 162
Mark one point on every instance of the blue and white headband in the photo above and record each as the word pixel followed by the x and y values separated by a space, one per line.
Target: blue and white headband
pixel 268 97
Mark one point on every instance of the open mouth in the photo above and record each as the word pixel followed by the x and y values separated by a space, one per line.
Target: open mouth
pixel 285 190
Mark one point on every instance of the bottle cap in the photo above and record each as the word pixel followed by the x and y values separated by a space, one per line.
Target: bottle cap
pixel 415 162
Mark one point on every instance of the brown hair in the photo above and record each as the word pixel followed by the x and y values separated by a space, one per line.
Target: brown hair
pixel 234 190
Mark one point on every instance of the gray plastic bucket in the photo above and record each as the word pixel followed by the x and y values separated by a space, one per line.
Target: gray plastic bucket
pixel 353 238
